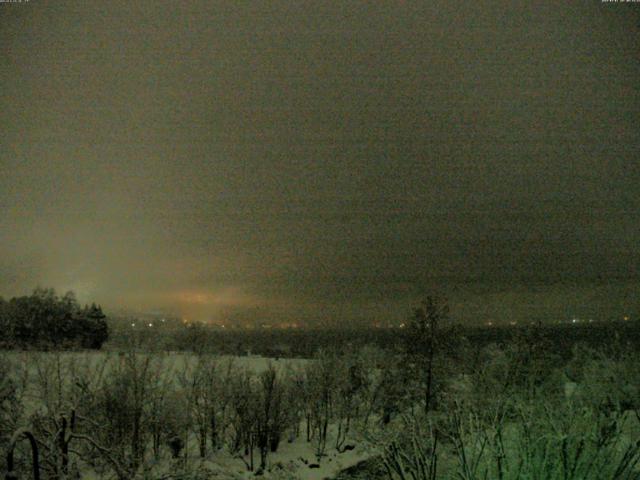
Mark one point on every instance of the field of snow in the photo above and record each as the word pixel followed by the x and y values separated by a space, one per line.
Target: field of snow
pixel 295 458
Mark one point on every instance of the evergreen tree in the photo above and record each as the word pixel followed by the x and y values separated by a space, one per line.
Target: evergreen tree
pixel 97 330
pixel 45 320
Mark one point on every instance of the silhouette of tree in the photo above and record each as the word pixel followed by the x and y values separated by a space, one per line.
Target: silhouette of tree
pixel 423 340
pixel 43 319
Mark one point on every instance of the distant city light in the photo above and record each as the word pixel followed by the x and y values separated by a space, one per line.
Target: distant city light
pixel 133 324
pixel 151 324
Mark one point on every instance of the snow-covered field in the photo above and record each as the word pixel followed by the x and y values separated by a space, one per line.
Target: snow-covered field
pixel 295 458
pixel 597 416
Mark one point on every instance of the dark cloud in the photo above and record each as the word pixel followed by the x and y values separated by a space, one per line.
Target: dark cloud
pixel 318 159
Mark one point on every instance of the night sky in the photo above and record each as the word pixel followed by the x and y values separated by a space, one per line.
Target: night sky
pixel 322 160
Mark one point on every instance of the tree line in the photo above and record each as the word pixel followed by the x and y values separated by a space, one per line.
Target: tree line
pixel 440 407
pixel 120 413
pixel 46 320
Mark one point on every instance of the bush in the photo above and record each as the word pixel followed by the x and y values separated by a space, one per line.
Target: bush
pixel 509 420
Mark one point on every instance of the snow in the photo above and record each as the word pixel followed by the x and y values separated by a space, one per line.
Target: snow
pixel 291 461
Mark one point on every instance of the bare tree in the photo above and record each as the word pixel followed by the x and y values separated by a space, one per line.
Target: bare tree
pixel 424 339
pixel 321 387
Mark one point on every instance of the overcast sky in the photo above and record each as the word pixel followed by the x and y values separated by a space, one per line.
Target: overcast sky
pixel 316 159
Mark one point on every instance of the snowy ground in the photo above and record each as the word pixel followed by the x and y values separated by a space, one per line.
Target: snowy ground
pixel 295 459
